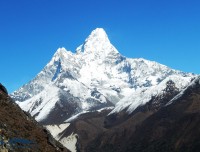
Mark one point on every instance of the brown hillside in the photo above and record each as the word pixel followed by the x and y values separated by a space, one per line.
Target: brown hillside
pixel 19 132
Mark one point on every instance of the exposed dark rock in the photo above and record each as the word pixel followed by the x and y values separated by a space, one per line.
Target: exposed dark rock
pixel 3 89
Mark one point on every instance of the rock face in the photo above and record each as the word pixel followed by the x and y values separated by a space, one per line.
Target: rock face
pixel 19 132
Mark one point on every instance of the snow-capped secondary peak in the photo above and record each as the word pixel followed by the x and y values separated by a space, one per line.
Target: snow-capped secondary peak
pixel 97 43
pixel 61 53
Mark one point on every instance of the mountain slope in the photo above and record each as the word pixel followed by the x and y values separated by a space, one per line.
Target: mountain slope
pixel 174 127
pixel 98 131
pixel 19 132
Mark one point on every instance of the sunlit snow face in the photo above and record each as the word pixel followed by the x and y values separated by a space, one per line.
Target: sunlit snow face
pixel 85 105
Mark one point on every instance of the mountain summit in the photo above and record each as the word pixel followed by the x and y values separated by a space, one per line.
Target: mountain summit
pixel 97 77
pixel 98 35
pixel 97 44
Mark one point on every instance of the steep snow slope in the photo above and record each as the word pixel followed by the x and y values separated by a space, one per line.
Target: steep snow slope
pixel 57 132
pixel 143 95
pixel 94 77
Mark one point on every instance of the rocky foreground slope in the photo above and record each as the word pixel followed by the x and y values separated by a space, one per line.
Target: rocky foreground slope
pixel 19 132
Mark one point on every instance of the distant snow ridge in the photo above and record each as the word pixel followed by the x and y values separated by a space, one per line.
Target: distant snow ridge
pixel 95 77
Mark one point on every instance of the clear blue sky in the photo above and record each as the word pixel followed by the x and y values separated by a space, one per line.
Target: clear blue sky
pixel 166 31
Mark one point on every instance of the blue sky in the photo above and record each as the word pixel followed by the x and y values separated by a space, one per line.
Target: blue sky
pixel 166 31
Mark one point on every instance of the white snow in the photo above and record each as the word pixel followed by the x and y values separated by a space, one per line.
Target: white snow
pixel 55 130
pixel 70 142
pixel 106 108
pixel 75 116
pixel 41 103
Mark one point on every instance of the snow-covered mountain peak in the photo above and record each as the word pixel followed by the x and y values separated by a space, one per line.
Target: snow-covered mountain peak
pixel 97 44
pixel 98 33
pixel 62 56
pixel 95 77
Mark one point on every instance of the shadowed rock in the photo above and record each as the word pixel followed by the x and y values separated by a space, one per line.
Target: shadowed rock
pixel 3 89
